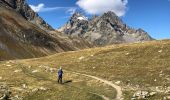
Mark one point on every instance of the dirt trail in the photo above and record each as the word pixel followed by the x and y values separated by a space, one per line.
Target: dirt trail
pixel 118 88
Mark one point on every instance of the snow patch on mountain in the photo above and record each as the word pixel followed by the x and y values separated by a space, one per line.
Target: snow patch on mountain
pixel 82 18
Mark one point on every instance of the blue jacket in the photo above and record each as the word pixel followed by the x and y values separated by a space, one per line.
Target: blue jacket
pixel 60 73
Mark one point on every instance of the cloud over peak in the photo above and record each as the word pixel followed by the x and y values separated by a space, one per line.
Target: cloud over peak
pixel 102 6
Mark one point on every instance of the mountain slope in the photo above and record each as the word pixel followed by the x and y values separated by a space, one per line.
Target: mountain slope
pixel 103 30
pixel 21 38
pixel 24 10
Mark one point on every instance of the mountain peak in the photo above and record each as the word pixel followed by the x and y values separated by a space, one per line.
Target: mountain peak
pixel 110 16
pixel 110 13
pixel 78 16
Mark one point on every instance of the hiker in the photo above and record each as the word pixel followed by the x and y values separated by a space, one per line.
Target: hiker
pixel 60 74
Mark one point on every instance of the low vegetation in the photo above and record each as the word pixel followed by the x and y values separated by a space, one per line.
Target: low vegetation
pixel 134 67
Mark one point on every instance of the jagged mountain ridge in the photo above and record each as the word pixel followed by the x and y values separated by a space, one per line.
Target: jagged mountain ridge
pixel 23 8
pixel 103 30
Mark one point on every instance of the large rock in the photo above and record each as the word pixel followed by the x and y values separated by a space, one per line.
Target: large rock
pixel 102 30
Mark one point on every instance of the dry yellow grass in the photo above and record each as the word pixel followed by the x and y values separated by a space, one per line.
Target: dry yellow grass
pixel 138 66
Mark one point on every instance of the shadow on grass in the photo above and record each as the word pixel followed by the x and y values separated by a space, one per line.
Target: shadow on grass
pixel 67 81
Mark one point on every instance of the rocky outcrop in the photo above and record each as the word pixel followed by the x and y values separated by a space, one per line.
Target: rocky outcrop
pixel 23 8
pixel 103 30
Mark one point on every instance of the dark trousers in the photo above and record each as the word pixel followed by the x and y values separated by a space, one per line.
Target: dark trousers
pixel 60 80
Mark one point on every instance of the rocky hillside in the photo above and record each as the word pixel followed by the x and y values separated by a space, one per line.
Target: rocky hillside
pixel 24 34
pixel 103 30
pixel 23 8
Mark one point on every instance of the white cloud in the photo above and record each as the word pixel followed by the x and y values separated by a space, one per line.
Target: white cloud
pixel 101 6
pixel 37 8
pixel 71 11
pixel 41 8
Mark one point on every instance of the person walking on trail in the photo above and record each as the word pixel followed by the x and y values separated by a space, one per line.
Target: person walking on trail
pixel 60 75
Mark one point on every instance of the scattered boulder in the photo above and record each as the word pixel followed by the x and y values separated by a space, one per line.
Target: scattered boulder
pixel 159 89
pixel 24 86
pixel 34 71
pixel 82 57
pixel 155 80
pixel 51 70
pixel 152 93
pixel 142 95
pixel 160 51
pixel 127 54
pixel 8 65
pixel 39 89
pixel 160 75
pixel 10 62
pixel 118 82
pixel 42 88
pixel 161 72
pixel 16 71
pixel 29 67
pixel 137 86
pixel 42 66
pixel 48 69
pixel 35 90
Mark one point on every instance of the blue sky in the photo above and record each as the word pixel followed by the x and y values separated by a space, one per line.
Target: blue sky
pixel 151 15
